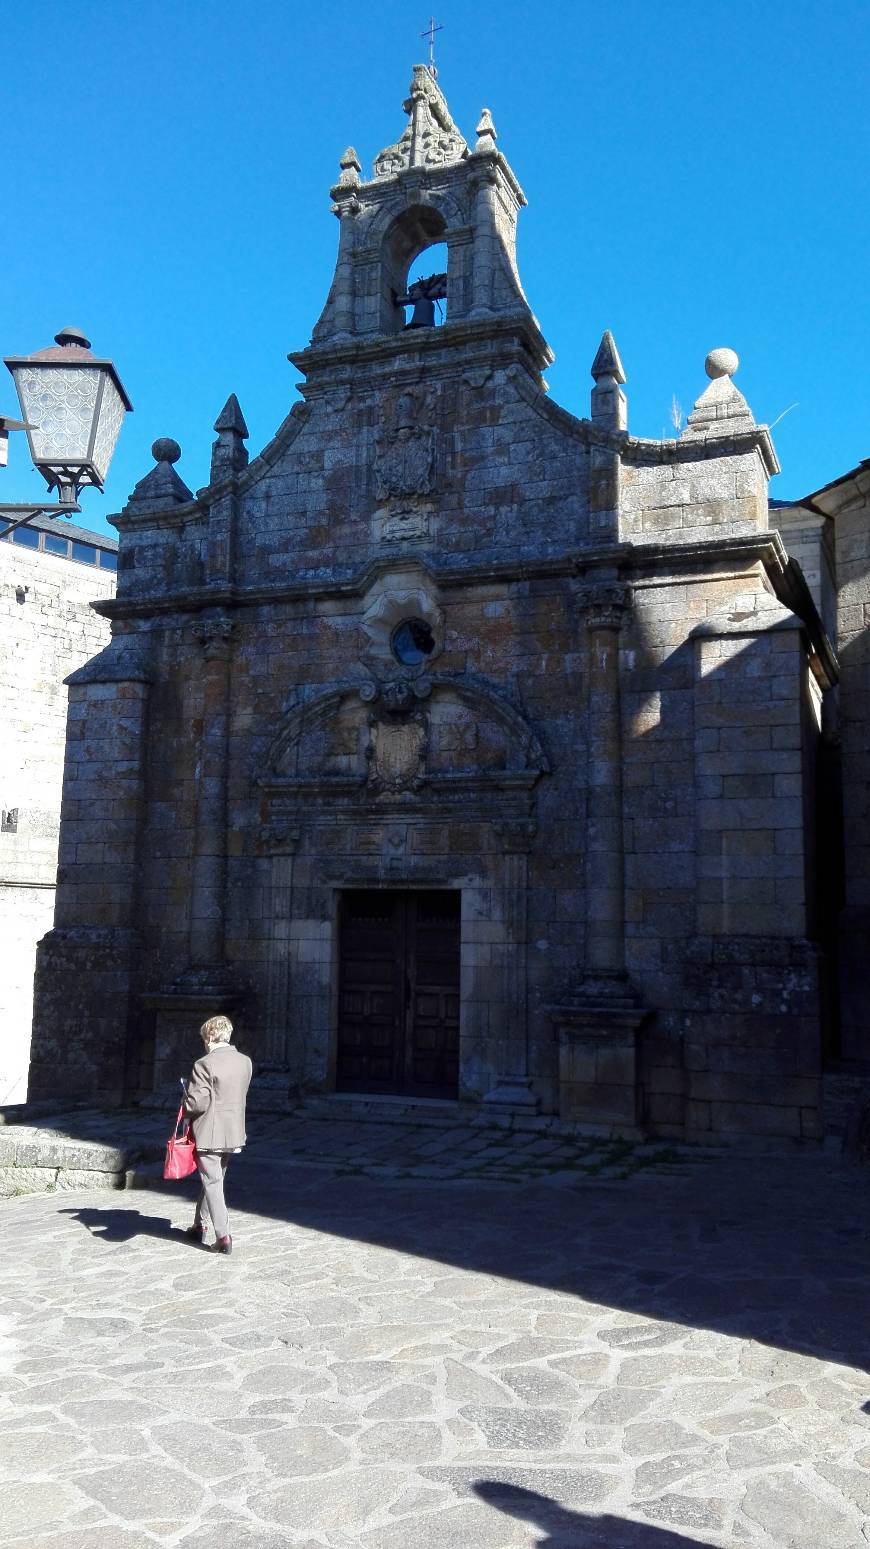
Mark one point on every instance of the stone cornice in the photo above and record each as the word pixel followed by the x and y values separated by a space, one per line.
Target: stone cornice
pixel 422 344
pixel 639 452
pixel 851 490
pixel 446 178
pixel 236 484
pixel 358 582
pixel 624 561
pixel 744 553
pixel 734 443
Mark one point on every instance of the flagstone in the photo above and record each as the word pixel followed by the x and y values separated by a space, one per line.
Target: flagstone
pixel 584 1419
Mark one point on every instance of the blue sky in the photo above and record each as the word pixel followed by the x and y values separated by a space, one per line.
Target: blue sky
pixel 696 176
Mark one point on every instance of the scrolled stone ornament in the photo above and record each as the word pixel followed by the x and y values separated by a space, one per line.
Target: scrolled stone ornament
pixel 605 604
pixel 215 636
pixel 515 834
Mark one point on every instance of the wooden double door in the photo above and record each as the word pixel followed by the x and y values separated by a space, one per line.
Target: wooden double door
pixel 398 992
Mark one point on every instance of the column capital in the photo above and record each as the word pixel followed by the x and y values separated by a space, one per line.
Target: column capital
pixel 215 636
pixel 604 604
pixel 515 834
pixel 279 836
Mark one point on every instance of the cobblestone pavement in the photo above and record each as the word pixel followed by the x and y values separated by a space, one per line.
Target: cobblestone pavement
pixel 401 1147
pixel 672 1359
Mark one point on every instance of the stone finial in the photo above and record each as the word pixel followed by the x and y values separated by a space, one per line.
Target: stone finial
pixel 162 486
pixel 609 404
pixel 232 419
pixel 486 135
pixel 721 362
pixel 721 407
pixel 229 453
pixel 607 362
pixel 350 169
pixel 431 138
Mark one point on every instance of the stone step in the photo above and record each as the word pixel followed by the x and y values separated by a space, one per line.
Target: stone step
pixel 382 1109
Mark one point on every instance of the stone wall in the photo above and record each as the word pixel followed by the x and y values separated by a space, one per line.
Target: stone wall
pixel 608 744
pixel 853 623
pixel 48 630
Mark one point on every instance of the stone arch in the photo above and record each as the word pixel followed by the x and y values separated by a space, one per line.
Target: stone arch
pixel 506 751
pixel 309 714
pixel 406 233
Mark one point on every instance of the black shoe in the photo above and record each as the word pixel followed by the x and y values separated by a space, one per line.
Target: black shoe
pixel 224 1245
pixel 195 1233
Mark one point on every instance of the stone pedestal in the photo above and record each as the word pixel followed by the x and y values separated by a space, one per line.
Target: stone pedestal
pixel 177 1016
pixel 511 1095
pixel 271 1090
pixel 597 1030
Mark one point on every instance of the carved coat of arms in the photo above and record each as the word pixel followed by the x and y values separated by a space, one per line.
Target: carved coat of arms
pixel 404 462
pixel 396 752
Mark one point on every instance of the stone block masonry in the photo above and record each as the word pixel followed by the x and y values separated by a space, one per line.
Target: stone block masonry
pixel 462 749
pixel 48 629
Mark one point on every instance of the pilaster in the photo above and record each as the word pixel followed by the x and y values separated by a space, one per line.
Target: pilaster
pixel 208 880
pixel 596 1024
pixel 279 843
pixel 512 1093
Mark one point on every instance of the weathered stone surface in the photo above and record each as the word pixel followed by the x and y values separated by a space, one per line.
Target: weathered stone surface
pixel 157 1494
pixel 522 1428
pixel 49 629
pixel 444 641
pixel 99 1371
pixel 685 1511
pixel 793 1514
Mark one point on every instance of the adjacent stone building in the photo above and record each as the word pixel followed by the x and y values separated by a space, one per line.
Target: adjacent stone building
pixel 50 573
pixel 462 748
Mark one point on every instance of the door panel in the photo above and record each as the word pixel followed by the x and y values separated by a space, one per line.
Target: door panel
pixel 399 993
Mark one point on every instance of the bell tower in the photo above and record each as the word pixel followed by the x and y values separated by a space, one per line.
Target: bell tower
pixel 429 187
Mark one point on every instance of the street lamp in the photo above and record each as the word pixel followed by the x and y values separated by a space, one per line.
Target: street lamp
pixel 73 406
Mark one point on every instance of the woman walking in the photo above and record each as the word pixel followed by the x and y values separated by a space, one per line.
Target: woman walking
pixel 215 1102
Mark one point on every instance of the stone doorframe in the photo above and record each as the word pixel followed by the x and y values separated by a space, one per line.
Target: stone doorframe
pixel 305 863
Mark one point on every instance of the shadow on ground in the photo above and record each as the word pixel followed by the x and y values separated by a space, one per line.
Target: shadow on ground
pixel 772 1250
pixel 122 1225
pixel 576 1529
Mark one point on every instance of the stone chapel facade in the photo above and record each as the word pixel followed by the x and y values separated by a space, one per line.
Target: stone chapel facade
pixel 459 747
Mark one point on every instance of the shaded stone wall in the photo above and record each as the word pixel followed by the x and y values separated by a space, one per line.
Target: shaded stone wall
pixel 852 525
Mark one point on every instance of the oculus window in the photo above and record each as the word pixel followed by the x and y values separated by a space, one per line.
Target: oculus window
pixel 412 642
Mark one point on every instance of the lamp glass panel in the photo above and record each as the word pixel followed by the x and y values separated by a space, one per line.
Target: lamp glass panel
pixel 112 413
pixel 60 401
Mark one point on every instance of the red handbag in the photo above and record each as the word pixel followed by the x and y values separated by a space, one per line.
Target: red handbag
pixel 180 1151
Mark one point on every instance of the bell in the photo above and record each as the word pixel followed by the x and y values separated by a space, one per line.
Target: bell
pixel 423 315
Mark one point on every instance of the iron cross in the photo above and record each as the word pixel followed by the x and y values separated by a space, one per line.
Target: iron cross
pixel 430 32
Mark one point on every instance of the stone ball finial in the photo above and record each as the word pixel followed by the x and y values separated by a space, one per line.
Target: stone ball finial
pixel 722 362
pixel 165 450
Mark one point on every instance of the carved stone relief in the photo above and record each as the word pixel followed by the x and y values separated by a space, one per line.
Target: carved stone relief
pixel 431 138
pixel 404 468
pixel 395 601
pixel 396 754
pixel 438 737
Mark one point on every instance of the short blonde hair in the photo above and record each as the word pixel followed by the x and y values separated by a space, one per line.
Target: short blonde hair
pixel 216 1030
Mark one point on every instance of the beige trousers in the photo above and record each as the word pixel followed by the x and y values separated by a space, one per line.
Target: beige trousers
pixel 212 1168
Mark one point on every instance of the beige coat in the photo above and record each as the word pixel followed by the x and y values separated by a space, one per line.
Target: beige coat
pixel 216 1096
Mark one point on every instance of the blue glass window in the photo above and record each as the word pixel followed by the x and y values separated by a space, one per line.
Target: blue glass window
pixel 412 642
pixel 28 537
pixel 85 552
pixel 56 545
pixel 108 559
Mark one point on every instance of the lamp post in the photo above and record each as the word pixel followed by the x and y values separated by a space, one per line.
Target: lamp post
pixel 73 406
